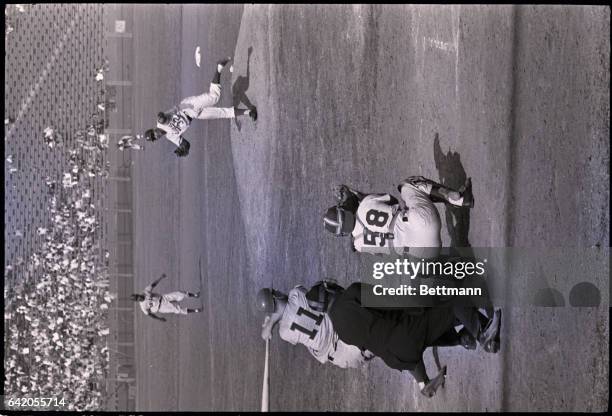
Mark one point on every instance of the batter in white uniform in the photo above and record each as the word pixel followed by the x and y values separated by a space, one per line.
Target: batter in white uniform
pixel 379 223
pixel 152 303
pixel 300 324
pixel 174 122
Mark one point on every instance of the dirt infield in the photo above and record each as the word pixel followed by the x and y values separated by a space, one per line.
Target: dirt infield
pixel 514 97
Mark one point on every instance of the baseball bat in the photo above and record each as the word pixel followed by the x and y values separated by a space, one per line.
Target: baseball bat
pixel 265 392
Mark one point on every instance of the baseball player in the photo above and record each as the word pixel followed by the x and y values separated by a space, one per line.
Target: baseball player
pixel 127 142
pixel 299 323
pixel 174 122
pixel 399 336
pixel 379 223
pixel 152 303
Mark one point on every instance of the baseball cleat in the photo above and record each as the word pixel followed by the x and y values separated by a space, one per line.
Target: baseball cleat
pixel 489 338
pixel 432 387
pixel 467 340
pixel 466 193
pixel 253 113
pixel 224 61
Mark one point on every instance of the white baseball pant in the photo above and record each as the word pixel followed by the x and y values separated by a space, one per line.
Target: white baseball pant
pixel 170 303
pixel 202 106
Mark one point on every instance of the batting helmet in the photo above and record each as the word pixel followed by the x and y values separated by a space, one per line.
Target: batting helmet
pixel 162 117
pixel 136 297
pixel 150 135
pixel 339 221
pixel 266 301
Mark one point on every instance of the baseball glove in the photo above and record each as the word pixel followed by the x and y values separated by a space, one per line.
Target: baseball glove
pixel 341 192
pixel 183 149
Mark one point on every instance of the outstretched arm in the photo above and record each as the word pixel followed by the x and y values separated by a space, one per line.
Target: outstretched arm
pixel 163 275
pixel 149 288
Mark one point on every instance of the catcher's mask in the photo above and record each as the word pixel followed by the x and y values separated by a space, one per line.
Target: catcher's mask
pixel 151 135
pixel 339 221
pixel 267 299
pixel 136 297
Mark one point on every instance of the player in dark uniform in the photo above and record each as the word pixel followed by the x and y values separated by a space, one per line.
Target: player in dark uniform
pixel 399 336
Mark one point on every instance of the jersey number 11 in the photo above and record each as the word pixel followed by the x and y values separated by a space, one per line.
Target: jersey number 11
pixel 316 321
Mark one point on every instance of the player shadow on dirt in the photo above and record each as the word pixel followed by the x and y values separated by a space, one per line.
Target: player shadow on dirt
pixel 452 174
pixel 240 87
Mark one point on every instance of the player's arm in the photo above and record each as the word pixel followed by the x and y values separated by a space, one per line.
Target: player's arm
pixel 156 282
pixel 269 323
pixel 345 193
pixel 159 318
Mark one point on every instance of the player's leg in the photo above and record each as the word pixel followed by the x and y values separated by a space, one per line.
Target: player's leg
pixel 480 327
pixel 213 113
pixel 220 65
pixel 170 306
pixel 437 192
pixel 348 356
pixel 176 296
pixel 418 229
pixel 428 387
pixel 452 338
pixel 251 112
pixel 175 307
pixel 195 104
pixel 210 98
pixel 448 339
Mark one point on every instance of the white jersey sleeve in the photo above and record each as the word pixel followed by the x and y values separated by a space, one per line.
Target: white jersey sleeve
pixel 302 325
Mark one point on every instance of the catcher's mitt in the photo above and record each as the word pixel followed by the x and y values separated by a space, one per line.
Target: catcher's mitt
pixel 341 193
